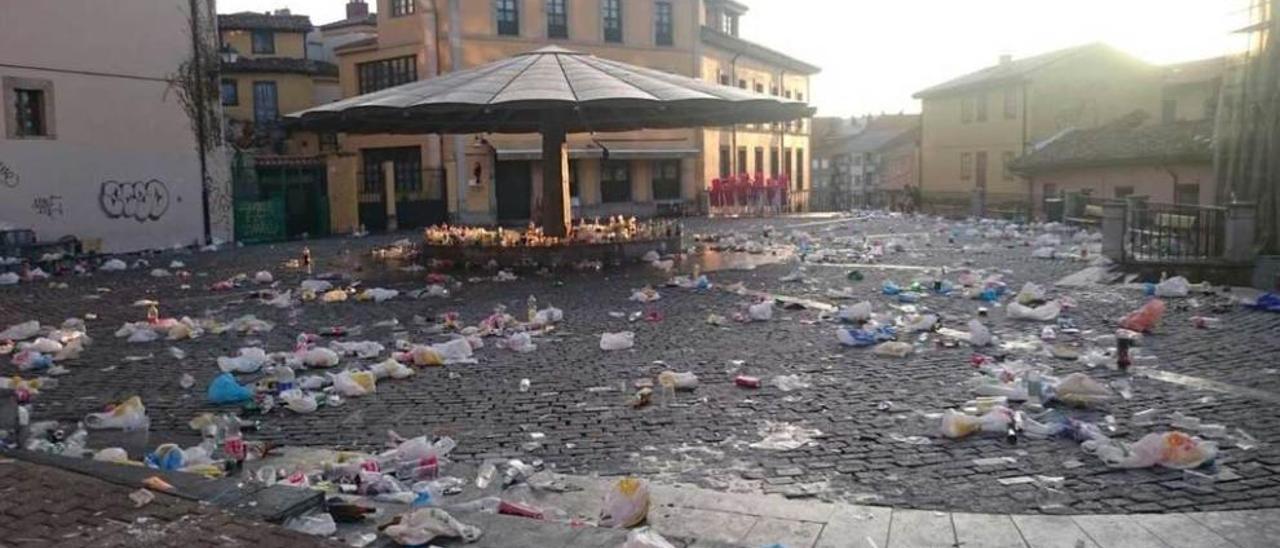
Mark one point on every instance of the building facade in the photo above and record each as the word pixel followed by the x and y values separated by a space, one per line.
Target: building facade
pixel 869 162
pixel 95 141
pixel 973 126
pixel 398 181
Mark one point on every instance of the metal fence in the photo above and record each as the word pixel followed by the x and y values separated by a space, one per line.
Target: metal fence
pixel 1169 233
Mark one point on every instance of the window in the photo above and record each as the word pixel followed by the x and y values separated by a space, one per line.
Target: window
pixel 611 11
pixel 1006 158
pixel 508 14
pixel 266 106
pixel 1169 111
pixel 742 84
pixel 742 160
pixel 662 25
pixel 1010 103
pixel 759 88
pixel 799 169
pixel 328 141
pixel 666 180
pixel 1124 191
pixel 573 180
pixel 773 90
pixel 786 162
pixel 773 162
pixel 982 107
pixel 726 162
pixel 800 97
pixel 28 108
pixel 980 169
pixel 230 92
pixel 1186 194
pixel 730 24
pixel 615 181
pixel 403 7
pixel 557 19
pixel 1050 190
pixel 966 166
pixel 966 109
pixel 406 162
pixel 759 165
pixel 30 112
pixel 724 80
pixel 376 75
pixel 264 41
pixel 787 94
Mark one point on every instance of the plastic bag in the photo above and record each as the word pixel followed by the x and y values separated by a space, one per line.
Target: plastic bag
pixel 1030 292
pixel 263 277
pixel 787 383
pixel 1144 319
pixel 454 351
pixel 1168 449
pixel 626 504
pixel 319 524
pixel 890 288
pixel 425 355
pixel 893 349
pixel 645 295
pixel 760 312
pixel 315 286
pixel 355 383
pixel 127 415
pixel 377 294
pixel 1043 313
pixel 42 345
pixel 298 401
pixel 1268 302
pixel 857 338
pixel 21 331
pixel 957 425
pixel 113 265
pixel 420 526
pixel 548 316
pixel 112 454
pixel 1081 389
pixel 617 341
pixel 360 349
pixel 860 312
pixel 645 537
pixel 1176 286
pixel 320 357
pixel 391 368
pixel 979 335
pixel 686 380
pixel 9 278
pixel 250 359
pixel 917 323
pixel 1043 253
pixel 520 342
pixel 225 389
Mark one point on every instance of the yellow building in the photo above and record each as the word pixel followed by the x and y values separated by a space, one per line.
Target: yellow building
pixel 640 173
pixel 974 125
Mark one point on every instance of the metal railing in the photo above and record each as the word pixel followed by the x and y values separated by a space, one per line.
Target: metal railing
pixel 1164 233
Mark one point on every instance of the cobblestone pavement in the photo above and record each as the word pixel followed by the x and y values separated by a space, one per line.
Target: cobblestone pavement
pixel 702 437
pixel 45 506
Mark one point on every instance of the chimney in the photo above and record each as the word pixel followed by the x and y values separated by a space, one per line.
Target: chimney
pixel 357 9
pixel 1005 58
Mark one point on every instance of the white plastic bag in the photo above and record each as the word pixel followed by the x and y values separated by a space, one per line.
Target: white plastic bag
pixel 645 537
pixel 420 526
pixel 360 349
pixel 1081 389
pixel 355 383
pixel 760 312
pixel 1176 286
pixel 21 331
pixel 645 295
pixel 454 351
pixel 1168 449
pixel 860 312
pixel 1043 253
pixel 1030 293
pixel 320 357
pixel 316 286
pixel 333 296
pixel 263 277
pixel 113 265
pixel 895 349
pixel 377 294
pixel 520 342
pixel 916 323
pixel 9 278
pixel 127 415
pixel 250 359
pixel 626 504
pixel 548 316
pixel 1044 313
pixel 979 335
pixel 617 341
pixel 298 401
pixel 391 368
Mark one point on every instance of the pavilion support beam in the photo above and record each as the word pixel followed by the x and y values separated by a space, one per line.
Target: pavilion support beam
pixel 555 181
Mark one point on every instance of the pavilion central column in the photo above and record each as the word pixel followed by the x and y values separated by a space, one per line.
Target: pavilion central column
pixel 555 181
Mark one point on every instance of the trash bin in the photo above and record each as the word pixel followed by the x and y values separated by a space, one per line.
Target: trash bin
pixel 1053 208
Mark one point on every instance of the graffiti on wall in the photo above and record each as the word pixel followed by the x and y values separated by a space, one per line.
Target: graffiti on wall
pixel 49 206
pixel 8 177
pixel 141 201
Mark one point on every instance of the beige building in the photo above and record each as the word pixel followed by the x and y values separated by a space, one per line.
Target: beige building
pixel 388 181
pixel 974 125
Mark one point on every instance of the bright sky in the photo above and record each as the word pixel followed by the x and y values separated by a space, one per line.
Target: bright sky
pixel 875 53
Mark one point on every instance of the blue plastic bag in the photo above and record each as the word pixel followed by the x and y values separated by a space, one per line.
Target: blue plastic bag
pixel 890 288
pixel 225 389
pixel 166 457
pixel 856 338
pixel 1269 302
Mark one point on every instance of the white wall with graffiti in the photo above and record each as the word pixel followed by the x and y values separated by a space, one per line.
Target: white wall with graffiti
pixel 105 151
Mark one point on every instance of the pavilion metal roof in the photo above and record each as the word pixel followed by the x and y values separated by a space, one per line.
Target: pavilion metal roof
pixel 555 86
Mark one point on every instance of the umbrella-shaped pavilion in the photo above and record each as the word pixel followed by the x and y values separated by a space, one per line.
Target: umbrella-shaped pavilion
pixel 554 92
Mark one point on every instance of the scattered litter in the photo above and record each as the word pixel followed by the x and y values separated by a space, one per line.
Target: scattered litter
pixel 626 504
pixel 787 383
pixel 617 341
pixel 141 497
pixel 782 436
pixel 894 349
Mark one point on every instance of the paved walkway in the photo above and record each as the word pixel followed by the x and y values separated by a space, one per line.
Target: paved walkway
pixel 47 506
